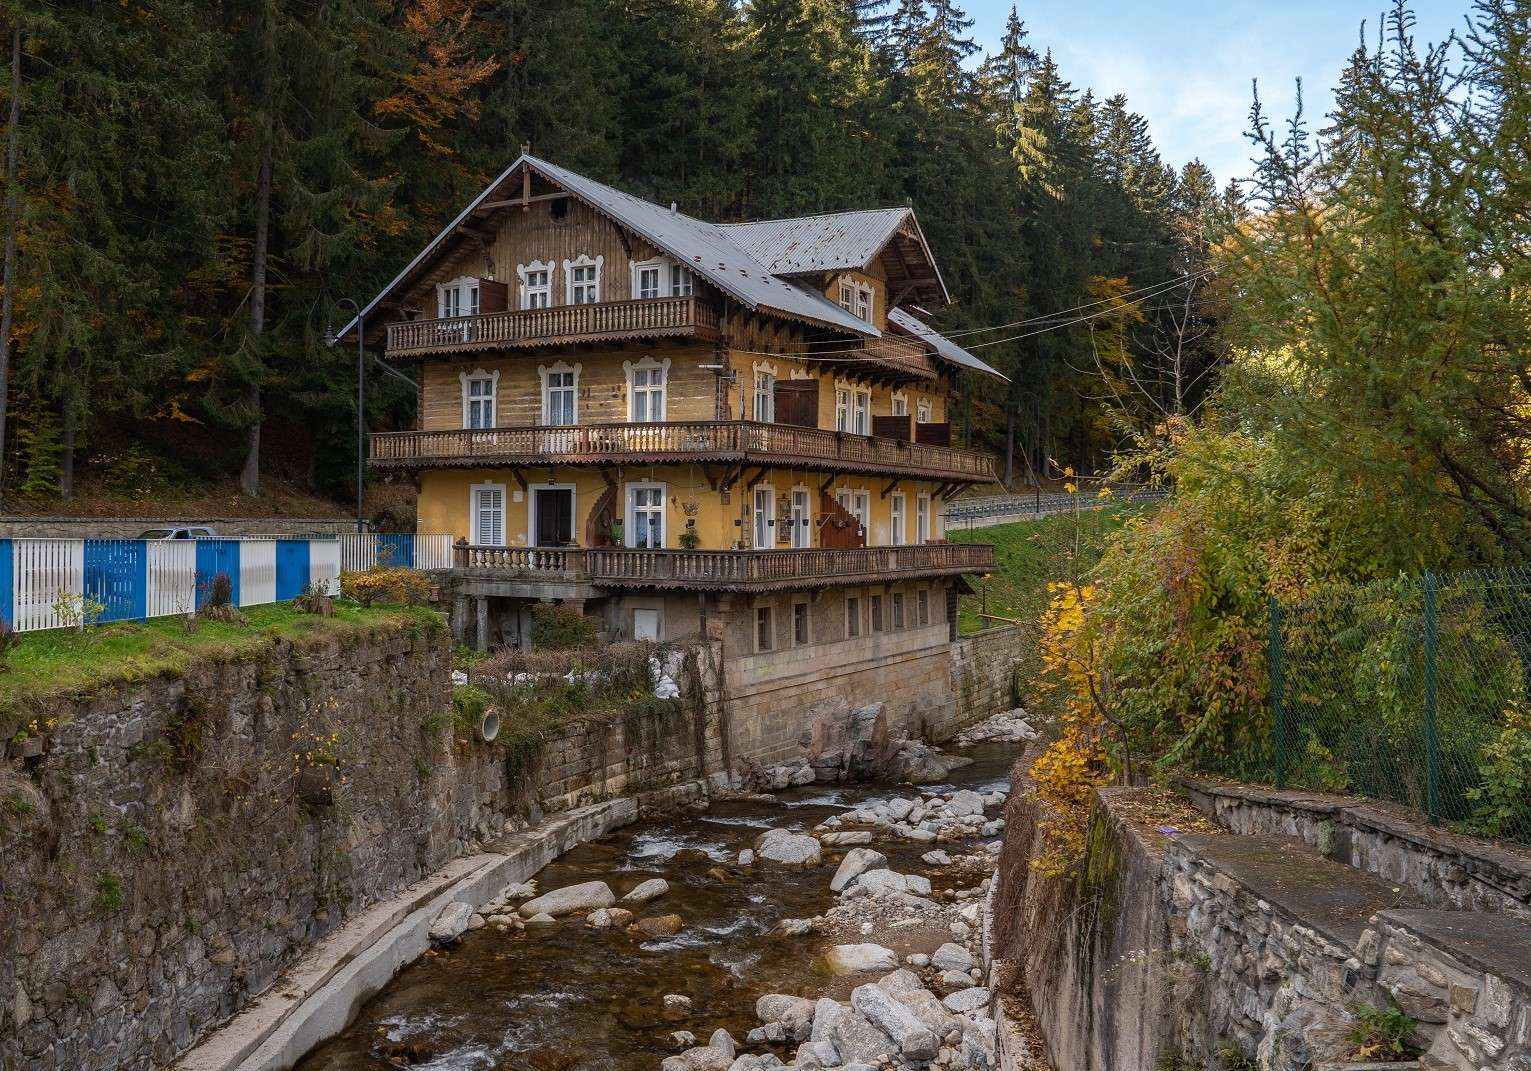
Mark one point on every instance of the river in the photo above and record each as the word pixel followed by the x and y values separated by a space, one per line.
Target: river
pixel 571 998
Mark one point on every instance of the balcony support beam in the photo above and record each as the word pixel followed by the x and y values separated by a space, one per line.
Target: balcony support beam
pixel 888 490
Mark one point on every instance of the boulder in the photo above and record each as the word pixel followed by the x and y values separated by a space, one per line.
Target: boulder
pixel 884 882
pixel 966 1000
pixel 541 918
pixel 927 1008
pixel 746 857
pixel 847 839
pixel 936 858
pixel 677 1006
pixel 774 1007
pixel 964 802
pixel 950 957
pixel 856 862
pixel 723 1042
pixel 452 923
pixel 856 1039
pixel 915 1040
pixel 793 927
pixel 855 959
pixel 571 899
pixel 787 848
pixel 606 918
pixel 660 925
pixel 815 1054
pixel 767 1062
pixel 652 889
pixel 951 980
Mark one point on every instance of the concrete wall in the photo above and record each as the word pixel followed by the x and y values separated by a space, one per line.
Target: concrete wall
pixel 13 527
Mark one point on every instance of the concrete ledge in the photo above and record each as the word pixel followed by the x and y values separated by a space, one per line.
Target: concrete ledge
pixel 322 994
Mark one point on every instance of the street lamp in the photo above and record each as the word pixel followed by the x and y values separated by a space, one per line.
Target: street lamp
pixel 361 405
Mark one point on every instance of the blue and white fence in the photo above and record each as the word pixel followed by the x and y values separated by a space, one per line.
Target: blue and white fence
pixel 137 578
pixel 406 550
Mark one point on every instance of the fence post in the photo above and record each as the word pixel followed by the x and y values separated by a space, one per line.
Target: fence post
pixel 1432 733
pixel 1278 717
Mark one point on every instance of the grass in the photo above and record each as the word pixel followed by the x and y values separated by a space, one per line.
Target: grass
pixel 50 669
pixel 1030 555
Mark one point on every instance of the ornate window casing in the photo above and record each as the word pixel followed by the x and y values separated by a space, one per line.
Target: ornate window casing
pixel 535 290
pixel 800 513
pixel 479 391
pixel 898 507
pixel 662 277
pixel 923 411
pixel 560 393
pixel 648 387
pixel 644 527
pixel 457 298
pixel 858 299
pixel 853 408
pixel 582 279
pixel 486 514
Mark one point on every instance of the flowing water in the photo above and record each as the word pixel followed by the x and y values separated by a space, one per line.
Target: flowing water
pixel 571 998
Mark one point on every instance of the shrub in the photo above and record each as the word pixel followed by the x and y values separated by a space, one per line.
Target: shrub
pixel 1502 799
pixel 1381 1034
pixel 561 628
pixel 218 600
pixel 384 585
pixel 315 600
pixel 9 639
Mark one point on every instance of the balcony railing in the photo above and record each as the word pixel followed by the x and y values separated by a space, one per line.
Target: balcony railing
pixel 556 325
pixel 727 570
pixel 746 442
pixel 902 354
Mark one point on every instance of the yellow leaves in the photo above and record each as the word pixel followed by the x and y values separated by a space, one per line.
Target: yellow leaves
pixel 1070 486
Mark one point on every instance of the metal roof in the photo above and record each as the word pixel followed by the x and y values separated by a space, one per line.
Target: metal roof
pixel 945 348
pixel 701 246
pixel 834 241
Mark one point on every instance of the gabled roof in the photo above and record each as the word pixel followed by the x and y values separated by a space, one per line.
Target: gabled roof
pixel 945 348
pixel 703 247
pixel 831 241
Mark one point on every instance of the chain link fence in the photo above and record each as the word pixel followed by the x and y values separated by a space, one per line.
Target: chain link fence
pixel 1410 690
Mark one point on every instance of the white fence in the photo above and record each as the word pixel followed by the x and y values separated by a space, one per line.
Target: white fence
pixel 368 550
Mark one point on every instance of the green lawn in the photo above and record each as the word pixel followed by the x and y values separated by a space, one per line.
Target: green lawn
pixel 48 668
pixel 1031 554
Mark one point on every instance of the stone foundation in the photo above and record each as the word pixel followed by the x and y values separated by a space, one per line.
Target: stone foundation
pixel 984 668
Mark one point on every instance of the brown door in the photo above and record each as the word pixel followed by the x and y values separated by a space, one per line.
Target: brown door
pixel 797 402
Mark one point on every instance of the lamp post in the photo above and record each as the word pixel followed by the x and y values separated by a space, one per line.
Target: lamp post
pixel 361 406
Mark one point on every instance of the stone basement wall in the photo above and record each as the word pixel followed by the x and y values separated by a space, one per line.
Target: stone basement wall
pixel 984 667
pixel 171 871
pixel 1172 943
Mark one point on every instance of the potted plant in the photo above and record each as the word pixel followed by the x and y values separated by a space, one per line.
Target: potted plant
pixel 688 537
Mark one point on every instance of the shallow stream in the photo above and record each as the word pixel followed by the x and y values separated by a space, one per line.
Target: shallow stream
pixel 571 998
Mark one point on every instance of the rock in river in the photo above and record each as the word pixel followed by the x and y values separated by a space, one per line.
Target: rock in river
pixel 584 897
pixel 452 922
pixel 950 957
pixel 652 889
pixel 788 848
pixel 659 926
pixel 853 959
pixel 856 861
pixel 913 1038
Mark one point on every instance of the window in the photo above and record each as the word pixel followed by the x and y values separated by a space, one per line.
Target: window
pixel 645 516
pixel 859 505
pixel 900 405
pixel 478 390
pixel 646 389
pixel 765 395
pixel 680 281
pixel 583 280
pixel 876 613
pixel 536 285
pixel 646 280
pixel 922 605
pixel 487 524
pixel 922 411
pixel 560 387
pixel 856 299
pixel 898 609
pixel 802 519
pixel 922 519
pixel 842 409
pixel 762 628
pixel 852 616
pixel 457 298
pixel 799 624
pixel 861 413
pixel 764 518
pixel 899 536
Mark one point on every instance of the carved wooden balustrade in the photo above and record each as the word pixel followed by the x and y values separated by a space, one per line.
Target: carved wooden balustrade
pixel 556 325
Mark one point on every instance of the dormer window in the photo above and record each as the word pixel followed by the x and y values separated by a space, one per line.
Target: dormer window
pixel 680 281
pixel 582 280
pixel 536 284
pixel 856 299
pixel 646 280
pixel 661 277
pixel 457 298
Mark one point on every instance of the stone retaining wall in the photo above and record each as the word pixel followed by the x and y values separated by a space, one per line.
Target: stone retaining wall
pixel 984 667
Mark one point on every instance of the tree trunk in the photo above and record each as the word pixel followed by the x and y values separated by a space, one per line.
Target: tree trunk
pixel 8 272
pixel 1009 445
pixel 249 479
pixel 66 458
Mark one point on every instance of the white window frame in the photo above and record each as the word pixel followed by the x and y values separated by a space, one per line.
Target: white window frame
pixel 924 411
pixel 922 519
pixel 842 408
pixel 661 277
pixel 543 372
pixel 584 260
pixel 858 503
pixel 682 280
pixel 861 413
pixel 858 299
pixel 478 375
pixel 767 371
pixel 464 290
pixel 528 294
pixel 662 391
pixel 475 533
pixel 900 404
pixel 763 523
pixel 629 523
pixel 802 520
pixel 898 513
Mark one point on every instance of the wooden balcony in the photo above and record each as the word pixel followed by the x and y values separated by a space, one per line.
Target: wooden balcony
pixel 899 354
pixel 725 570
pixel 557 325
pixel 741 442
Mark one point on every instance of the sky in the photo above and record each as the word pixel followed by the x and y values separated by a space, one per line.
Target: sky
pixel 1187 66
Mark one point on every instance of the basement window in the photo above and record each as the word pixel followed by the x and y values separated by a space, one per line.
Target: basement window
pixel 762 628
pixel 799 624
pixel 852 616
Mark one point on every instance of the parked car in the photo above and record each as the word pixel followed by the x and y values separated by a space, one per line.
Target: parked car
pixel 190 532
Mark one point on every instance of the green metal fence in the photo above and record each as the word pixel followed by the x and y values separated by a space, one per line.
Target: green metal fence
pixel 1411 690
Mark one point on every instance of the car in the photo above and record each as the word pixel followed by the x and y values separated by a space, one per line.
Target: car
pixel 190 532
